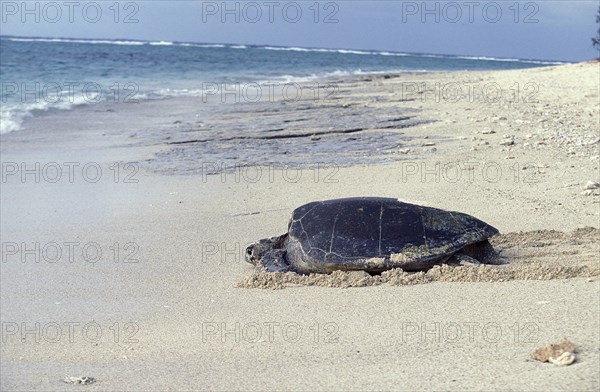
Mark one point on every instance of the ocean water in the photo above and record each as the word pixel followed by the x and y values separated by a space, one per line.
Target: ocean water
pixel 39 75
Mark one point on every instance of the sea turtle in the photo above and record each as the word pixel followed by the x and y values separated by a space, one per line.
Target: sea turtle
pixel 373 234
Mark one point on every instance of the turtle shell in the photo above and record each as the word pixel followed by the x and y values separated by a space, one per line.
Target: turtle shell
pixel 373 233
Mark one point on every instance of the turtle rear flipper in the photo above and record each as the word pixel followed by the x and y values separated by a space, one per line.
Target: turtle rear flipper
pixel 274 261
pixel 483 252
pixel 462 259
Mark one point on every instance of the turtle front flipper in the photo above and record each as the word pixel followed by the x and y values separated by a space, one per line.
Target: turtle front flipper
pixel 274 261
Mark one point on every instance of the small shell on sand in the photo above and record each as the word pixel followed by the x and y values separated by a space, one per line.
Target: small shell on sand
pixel 79 380
pixel 563 359
pixel 592 185
pixel 561 354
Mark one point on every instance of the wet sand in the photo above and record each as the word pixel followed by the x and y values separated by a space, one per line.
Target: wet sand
pixel 164 294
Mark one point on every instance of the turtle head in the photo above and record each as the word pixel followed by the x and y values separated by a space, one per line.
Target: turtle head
pixel 254 252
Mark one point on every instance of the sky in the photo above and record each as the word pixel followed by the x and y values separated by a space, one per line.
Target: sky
pixel 547 30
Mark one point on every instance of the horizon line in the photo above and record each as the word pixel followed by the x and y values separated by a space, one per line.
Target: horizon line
pixel 367 51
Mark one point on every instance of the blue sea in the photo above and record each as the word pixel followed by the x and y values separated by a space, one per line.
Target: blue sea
pixel 39 75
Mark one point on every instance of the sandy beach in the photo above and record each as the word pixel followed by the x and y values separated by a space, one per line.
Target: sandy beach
pixel 135 275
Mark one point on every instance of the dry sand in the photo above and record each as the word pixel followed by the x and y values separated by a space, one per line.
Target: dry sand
pixel 175 320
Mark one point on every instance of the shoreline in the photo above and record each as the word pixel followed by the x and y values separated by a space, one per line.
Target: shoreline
pixel 338 76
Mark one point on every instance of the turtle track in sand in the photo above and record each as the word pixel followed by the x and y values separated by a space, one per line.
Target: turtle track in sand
pixel 532 255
